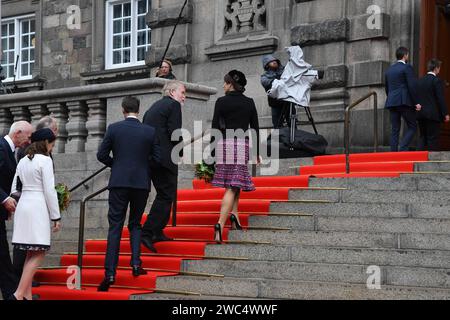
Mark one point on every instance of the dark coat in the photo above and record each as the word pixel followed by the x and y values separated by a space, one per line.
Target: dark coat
pixel 7 171
pixel 237 111
pixel 401 86
pixel 268 78
pixel 133 144
pixel 165 116
pixel 432 99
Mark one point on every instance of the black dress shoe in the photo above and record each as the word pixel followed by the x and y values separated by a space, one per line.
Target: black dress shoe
pixel 11 298
pixel 148 244
pixel 161 238
pixel 138 271
pixel 106 283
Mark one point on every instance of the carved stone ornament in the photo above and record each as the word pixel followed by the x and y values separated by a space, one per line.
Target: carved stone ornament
pixel 243 16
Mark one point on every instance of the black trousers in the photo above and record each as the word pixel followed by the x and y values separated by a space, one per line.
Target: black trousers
pixel 165 183
pixel 8 279
pixel 119 199
pixel 430 131
pixel 408 114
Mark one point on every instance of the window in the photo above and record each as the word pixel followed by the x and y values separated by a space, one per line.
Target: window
pixel 128 38
pixel 18 45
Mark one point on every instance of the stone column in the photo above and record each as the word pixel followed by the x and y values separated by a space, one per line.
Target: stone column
pixel 96 125
pixel 60 113
pixel 76 127
pixel 37 113
pixel 6 121
pixel 20 114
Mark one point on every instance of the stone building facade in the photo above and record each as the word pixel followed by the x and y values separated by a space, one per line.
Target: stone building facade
pixel 85 42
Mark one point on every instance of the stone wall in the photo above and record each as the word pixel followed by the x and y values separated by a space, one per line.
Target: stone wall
pixel 352 44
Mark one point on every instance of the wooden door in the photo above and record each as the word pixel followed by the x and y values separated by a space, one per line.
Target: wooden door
pixel 435 43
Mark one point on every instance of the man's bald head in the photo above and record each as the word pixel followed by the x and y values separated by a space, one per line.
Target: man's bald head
pixel 20 133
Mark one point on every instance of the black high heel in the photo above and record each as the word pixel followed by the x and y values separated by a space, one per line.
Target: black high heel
pixel 218 233
pixel 235 225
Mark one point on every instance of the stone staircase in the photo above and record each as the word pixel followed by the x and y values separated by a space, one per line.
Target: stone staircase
pixel 401 225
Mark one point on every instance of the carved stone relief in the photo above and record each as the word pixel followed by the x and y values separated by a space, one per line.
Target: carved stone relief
pixel 244 16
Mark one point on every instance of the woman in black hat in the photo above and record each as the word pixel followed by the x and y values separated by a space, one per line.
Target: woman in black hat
pixel 233 113
pixel 37 211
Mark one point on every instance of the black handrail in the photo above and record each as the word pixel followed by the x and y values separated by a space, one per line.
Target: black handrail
pixel 347 126
pixel 92 176
pixel 81 228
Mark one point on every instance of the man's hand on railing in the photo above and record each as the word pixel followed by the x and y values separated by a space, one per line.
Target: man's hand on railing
pixel 418 107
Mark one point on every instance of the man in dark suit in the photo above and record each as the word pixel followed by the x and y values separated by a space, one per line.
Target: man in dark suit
pixel 402 102
pixel 165 116
pixel 132 144
pixel 18 137
pixel 434 109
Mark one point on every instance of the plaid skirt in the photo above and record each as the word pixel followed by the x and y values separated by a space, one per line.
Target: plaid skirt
pixel 232 157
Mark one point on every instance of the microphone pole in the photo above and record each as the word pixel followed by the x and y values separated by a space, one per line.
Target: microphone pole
pixel 15 73
pixel 173 32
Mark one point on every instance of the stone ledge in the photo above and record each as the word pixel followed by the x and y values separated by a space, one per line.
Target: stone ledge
pixel 359 30
pixel 369 73
pixel 320 33
pixel 106 76
pixel 242 48
pixel 335 76
pixel 166 17
pixel 177 54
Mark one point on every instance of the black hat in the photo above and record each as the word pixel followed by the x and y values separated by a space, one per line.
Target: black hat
pixel 43 135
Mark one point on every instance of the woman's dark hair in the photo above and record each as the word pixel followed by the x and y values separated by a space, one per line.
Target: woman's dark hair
pixel 237 79
pixel 39 147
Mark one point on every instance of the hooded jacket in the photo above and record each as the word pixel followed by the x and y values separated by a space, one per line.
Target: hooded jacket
pixel 270 76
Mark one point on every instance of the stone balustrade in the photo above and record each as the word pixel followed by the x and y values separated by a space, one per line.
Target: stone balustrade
pixel 83 112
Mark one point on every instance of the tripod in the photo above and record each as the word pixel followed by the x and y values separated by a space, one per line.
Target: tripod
pixel 289 116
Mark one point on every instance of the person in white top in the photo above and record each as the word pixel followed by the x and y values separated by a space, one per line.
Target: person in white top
pixel 37 210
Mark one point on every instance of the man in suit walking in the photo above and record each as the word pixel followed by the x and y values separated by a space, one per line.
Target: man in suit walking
pixel 434 109
pixel 18 137
pixel 132 144
pixel 402 101
pixel 165 116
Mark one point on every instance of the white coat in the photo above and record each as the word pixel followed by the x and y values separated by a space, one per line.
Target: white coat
pixel 38 204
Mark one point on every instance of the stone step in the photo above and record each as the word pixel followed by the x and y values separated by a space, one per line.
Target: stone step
pixel 390 275
pixel 293 223
pixel 437 156
pixel 411 182
pixel 392 196
pixel 393 210
pixel 316 254
pixel 349 239
pixel 297 290
pixel 433 166
pixel 71 234
pixel 389 225
pixel 179 297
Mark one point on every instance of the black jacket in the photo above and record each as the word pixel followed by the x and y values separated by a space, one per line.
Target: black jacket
pixel 237 111
pixel 165 116
pixel 431 97
pixel 7 171
pixel 133 145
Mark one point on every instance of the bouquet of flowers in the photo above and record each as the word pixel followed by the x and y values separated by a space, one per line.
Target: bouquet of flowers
pixel 63 196
pixel 205 171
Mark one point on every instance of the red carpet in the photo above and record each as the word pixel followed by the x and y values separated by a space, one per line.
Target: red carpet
pixel 198 211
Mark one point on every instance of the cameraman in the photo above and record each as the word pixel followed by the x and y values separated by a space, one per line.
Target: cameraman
pixel 273 70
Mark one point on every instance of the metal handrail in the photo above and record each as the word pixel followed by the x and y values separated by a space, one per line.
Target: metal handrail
pixel 347 126
pixel 81 228
pixel 92 176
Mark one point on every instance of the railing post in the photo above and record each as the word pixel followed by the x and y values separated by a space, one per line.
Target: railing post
pixel 375 123
pixel 81 241
pixel 347 140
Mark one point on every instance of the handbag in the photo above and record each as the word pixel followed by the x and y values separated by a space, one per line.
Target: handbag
pixel 16 195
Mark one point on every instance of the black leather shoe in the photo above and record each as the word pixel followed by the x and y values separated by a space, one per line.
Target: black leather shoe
pixel 138 271
pixel 11 298
pixel 148 244
pixel 106 283
pixel 161 238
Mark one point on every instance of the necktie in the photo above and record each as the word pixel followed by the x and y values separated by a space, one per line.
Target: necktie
pixel 16 153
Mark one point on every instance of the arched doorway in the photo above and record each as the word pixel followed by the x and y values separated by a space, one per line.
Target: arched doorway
pixel 435 43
